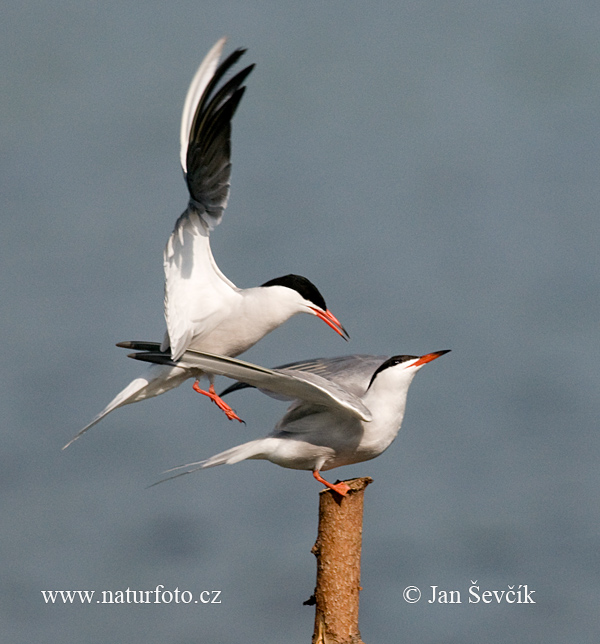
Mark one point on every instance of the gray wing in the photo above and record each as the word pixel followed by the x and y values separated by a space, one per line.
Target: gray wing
pixel 298 385
pixel 353 372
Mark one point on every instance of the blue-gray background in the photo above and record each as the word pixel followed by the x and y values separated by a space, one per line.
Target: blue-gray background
pixel 434 168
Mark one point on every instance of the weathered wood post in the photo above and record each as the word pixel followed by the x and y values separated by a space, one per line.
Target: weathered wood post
pixel 337 550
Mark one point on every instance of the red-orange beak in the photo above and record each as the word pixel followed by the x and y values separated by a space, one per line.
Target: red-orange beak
pixel 330 320
pixel 429 357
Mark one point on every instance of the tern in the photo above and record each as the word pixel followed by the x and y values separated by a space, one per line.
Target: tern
pixel 345 410
pixel 204 310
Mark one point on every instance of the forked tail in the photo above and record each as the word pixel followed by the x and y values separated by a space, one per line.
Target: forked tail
pixel 252 450
pixel 156 380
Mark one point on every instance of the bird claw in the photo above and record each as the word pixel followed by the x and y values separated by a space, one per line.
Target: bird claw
pixel 341 488
pixel 231 415
pixel 219 402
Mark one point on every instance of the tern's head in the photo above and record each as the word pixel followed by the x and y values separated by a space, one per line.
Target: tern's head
pixel 400 370
pixel 306 296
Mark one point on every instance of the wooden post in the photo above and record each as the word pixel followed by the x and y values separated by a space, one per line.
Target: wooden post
pixel 337 550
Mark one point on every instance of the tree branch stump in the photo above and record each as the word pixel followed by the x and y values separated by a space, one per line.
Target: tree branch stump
pixel 337 549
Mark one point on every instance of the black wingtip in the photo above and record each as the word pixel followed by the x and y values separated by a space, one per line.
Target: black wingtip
pixel 235 387
pixel 153 357
pixel 137 345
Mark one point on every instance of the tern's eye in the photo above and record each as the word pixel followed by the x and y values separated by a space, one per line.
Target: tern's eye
pixel 390 362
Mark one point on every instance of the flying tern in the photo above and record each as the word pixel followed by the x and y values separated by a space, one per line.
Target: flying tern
pixel 204 310
pixel 345 410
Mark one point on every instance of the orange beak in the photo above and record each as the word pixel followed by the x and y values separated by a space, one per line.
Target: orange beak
pixel 429 357
pixel 330 320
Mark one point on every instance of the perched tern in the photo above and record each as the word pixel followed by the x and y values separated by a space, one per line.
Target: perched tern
pixel 204 310
pixel 345 410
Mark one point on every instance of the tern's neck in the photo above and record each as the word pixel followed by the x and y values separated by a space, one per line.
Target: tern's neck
pixel 266 308
pixel 386 400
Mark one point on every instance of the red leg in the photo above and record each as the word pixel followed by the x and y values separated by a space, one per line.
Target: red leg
pixel 340 488
pixel 219 402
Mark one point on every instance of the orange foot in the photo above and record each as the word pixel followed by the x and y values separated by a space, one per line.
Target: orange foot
pixel 341 488
pixel 219 402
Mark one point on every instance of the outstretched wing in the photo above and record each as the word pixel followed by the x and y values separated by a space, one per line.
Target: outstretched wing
pixel 195 91
pixel 295 385
pixel 197 294
pixel 196 291
pixel 352 373
pixel 206 136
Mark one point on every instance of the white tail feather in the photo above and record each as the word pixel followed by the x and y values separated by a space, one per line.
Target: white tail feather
pixel 252 450
pixel 156 380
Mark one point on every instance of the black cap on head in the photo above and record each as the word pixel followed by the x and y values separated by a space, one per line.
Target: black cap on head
pixel 391 362
pixel 301 285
